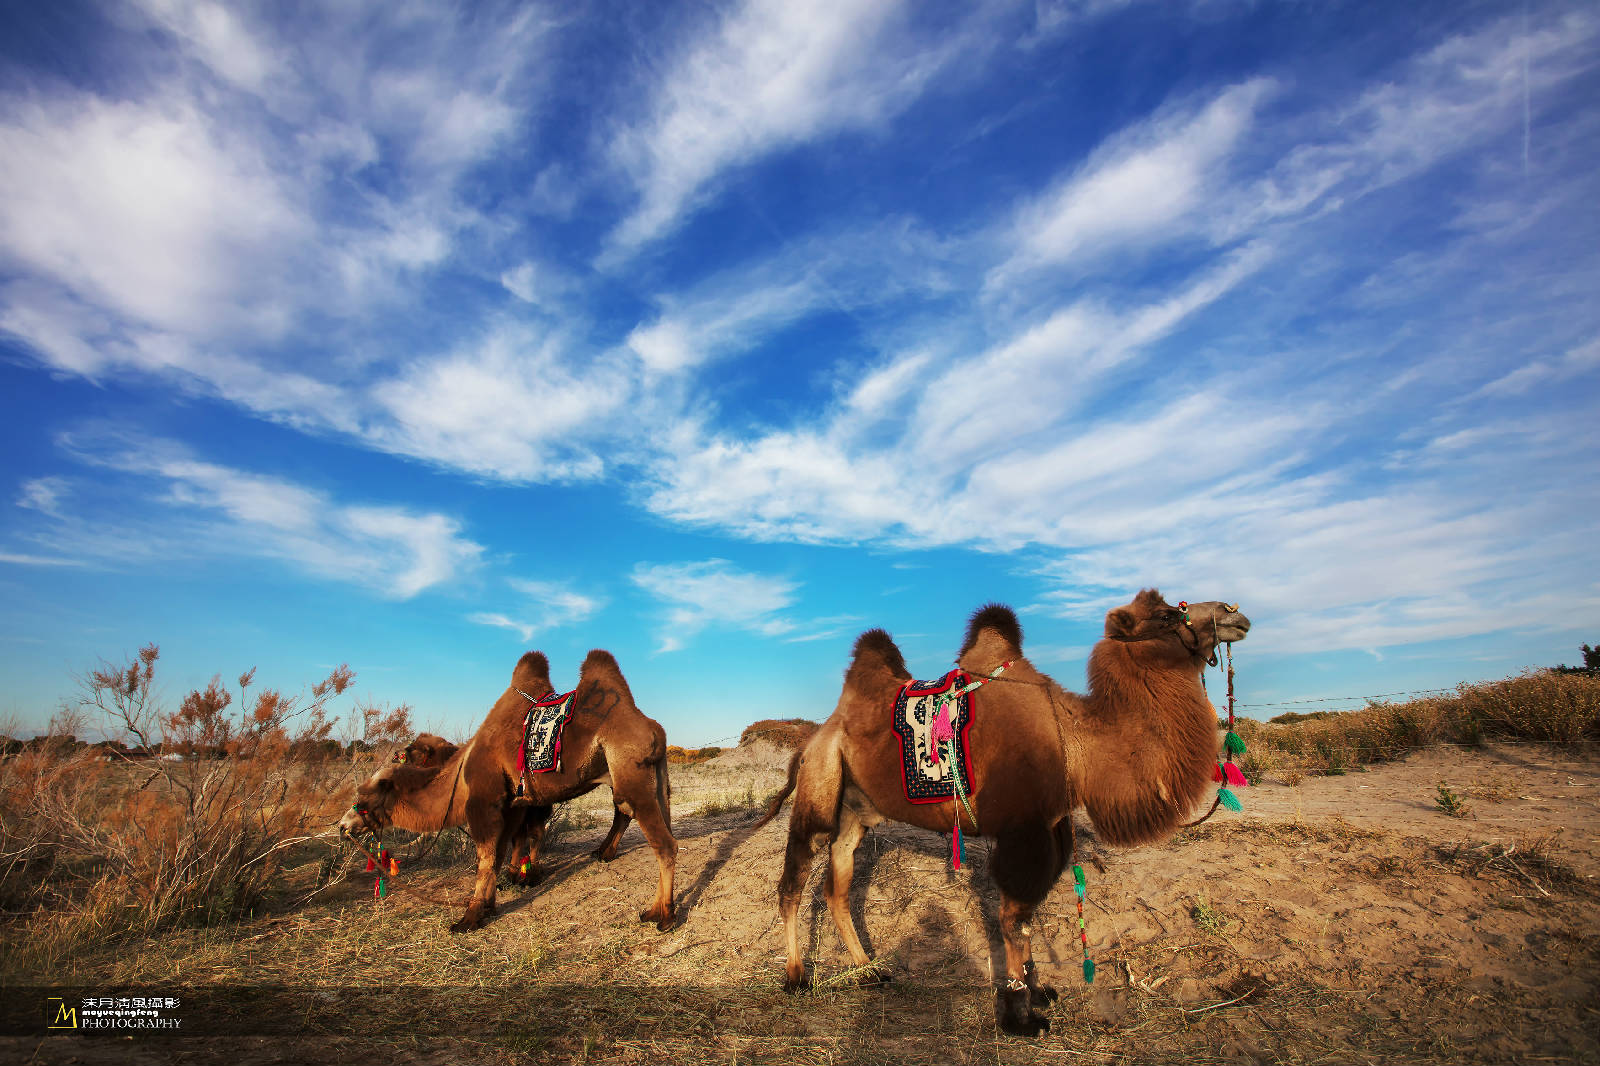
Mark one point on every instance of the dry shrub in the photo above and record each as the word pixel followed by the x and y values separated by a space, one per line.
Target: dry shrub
pixel 792 733
pixel 188 814
pixel 690 756
pixel 1541 705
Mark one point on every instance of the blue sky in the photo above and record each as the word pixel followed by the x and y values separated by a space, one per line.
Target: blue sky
pixel 416 335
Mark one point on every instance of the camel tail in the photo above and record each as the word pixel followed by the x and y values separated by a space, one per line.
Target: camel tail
pixel 995 616
pixel 787 791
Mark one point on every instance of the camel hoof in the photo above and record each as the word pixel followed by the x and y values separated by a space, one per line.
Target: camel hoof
pixel 793 984
pixel 1035 1025
pixel 602 855
pixel 466 924
pixel 1045 993
pixel 529 879
pixel 663 921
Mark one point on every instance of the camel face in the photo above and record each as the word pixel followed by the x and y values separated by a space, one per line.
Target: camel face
pixel 1220 622
pixel 1197 627
pixel 376 796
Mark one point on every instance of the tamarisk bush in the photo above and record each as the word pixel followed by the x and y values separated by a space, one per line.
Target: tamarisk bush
pixel 186 814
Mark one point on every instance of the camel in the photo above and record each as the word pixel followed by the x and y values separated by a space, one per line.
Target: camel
pixel 428 749
pixel 431 750
pixel 1137 752
pixel 608 740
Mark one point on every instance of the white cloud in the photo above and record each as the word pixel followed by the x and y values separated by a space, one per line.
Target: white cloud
pixel 767 76
pixel 550 606
pixel 508 408
pixel 396 551
pixel 714 592
pixel 1573 363
pixel 1137 187
pixel 143 209
pixel 219 37
pixel 44 494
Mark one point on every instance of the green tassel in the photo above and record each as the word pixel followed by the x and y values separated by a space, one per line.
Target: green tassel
pixel 1229 800
pixel 1088 971
pixel 1233 744
pixel 1077 875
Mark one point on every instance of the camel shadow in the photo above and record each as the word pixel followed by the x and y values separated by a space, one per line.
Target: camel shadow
pixel 731 841
pixel 564 859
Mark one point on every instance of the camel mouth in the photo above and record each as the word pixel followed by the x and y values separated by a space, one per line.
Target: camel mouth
pixel 1232 629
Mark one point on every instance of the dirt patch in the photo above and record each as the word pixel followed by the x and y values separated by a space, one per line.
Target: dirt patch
pixel 1345 918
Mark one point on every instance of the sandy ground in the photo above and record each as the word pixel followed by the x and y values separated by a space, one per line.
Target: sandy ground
pixel 1341 919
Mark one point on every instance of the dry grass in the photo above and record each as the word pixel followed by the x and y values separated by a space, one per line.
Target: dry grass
pixel 582 982
pixel 1542 705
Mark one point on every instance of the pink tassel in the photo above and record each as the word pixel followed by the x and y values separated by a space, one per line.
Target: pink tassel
pixel 1235 777
pixel 955 846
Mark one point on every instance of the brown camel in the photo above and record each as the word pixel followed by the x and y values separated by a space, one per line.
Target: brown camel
pixel 608 740
pixel 1138 752
pixel 430 750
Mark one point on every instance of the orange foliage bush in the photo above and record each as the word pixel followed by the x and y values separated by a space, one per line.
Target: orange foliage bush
pixel 188 812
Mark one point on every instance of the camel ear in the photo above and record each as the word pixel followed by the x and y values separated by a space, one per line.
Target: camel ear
pixel 1121 622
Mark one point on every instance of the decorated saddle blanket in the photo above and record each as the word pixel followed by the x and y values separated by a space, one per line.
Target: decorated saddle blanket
pixel 932 718
pixel 541 732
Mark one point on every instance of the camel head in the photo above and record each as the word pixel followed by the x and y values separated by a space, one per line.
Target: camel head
pixel 427 749
pixel 378 795
pixel 1184 631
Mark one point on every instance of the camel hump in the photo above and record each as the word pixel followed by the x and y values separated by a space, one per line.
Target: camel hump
pixel 597 662
pixel 877 646
pixel 533 666
pixel 600 668
pixel 999 618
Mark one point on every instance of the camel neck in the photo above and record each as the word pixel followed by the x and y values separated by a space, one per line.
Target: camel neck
pixel 438 804
pixel 1149 743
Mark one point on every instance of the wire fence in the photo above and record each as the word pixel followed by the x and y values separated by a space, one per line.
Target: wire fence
pixel 1416 692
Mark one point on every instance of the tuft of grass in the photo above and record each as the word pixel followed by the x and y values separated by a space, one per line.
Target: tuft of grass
pixel 729 802
pixel 1207 917
pixel 1450 803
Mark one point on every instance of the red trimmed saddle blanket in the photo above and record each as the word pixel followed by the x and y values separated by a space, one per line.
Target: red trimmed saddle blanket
pixel 927 773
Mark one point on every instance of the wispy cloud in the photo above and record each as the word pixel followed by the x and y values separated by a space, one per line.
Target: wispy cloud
pixel 715 593
pixel 44 494
pixel 1135 188
pixel 767 76
pixel 396 551
pixel 547 605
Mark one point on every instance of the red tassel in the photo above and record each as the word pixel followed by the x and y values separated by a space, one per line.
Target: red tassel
pixel 1235 776
pixel 955 846
pixel 370 866
pixel 1216 775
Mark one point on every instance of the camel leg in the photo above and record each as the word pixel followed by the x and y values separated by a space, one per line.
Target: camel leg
pixel 525 844
pixel 841 873
pixel 637 789
pixel 1017 1016
pixel 796 868
pixel 816 810
pixel 486 822
pixel 608 847
pixel 1025 864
